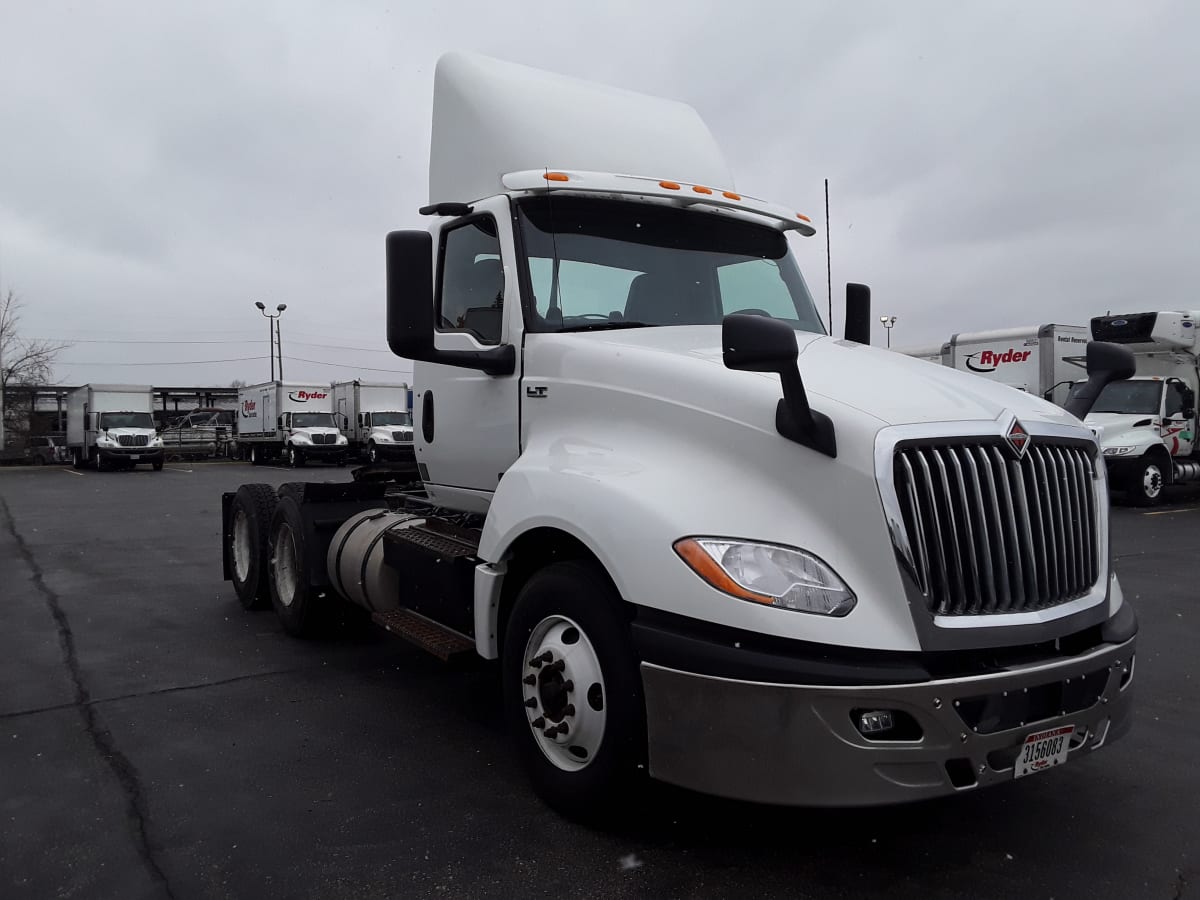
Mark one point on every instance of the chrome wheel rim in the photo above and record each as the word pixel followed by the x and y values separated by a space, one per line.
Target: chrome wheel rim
pixel 1152 481
pixel 242 551
pixel 284 567
pixel 562 688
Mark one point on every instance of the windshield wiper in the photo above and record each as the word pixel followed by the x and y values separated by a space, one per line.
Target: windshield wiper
pixel 605 326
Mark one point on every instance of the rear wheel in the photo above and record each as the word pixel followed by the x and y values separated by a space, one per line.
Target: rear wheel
pixel 1146 481
pixel 253 506
pixel 303 610
pixel 255 457
pixel 572 692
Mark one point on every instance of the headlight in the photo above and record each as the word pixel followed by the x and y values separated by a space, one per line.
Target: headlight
pixel 1118 451
pixel 341 439
pixel 383 437
pixel 301 439
pixel 783 577
pixel 105 442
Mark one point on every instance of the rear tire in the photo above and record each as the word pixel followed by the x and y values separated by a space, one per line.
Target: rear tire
pixel 250 523
pixel 571 611
pixel 304 611
pixel 1146 482
pixel 76 458
pixel 255 457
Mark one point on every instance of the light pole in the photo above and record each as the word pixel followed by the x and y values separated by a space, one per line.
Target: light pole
pixel 273 333
pixel 889 322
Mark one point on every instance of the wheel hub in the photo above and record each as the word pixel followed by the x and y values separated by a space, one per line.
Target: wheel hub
pixel 1152 481
pixel 563 692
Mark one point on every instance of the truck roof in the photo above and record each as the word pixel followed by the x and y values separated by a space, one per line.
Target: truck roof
pixel 492 118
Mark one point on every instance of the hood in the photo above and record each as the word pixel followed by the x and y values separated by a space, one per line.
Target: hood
pixel 1112 427
pixel 862 381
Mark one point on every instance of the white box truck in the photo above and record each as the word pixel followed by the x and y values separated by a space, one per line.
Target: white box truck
pixel 376 418
pixel 934 353
pixel 706 541
pixel 288 420
pixel 1043 360
pixel 110 426
pixel 1148 424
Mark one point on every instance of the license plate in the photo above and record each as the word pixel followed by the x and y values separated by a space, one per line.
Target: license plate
pixel 1044 750
pixel 135 456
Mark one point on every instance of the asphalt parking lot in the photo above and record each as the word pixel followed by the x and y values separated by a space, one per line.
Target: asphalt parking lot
pixel 157 741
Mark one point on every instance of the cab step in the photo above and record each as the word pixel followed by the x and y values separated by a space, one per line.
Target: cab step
pixel 426 634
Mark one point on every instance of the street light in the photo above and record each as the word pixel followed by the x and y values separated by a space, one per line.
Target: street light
pixel 273 334
pixel 888 322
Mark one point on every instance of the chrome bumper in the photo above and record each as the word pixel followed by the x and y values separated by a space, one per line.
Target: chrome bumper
pixel 799 744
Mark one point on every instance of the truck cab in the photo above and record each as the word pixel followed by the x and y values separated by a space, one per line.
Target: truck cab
pixel 1147 424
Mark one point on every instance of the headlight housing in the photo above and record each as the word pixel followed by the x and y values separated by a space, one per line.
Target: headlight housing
pixel 341 439
pixel 1118 451
pixel 770 574
pixel 301 438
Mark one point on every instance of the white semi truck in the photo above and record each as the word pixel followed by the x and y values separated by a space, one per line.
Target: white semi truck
pixel 705 540
pixel 1043 360
pixel 288 420
pixel 376 418
pixel 110 426
pixel 1148 424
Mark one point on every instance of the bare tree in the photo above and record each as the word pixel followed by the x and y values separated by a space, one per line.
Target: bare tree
pixel 237 383
pixel 23 364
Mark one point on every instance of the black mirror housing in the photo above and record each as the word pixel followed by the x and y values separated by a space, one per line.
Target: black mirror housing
pixel 757 344
pixel 1106 363
pixel 410 309
pixel 858 313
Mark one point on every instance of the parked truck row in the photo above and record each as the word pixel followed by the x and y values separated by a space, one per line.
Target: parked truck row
pixel 704 540
pixel 1147 425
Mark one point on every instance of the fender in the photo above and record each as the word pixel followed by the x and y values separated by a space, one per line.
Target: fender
pixel 628 511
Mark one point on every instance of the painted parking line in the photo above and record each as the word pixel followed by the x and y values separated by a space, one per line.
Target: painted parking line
pixel 71 472
pixel 174 469
pixel 1169 512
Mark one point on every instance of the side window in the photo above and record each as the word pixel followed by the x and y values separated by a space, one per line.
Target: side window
pixel 1174 399
pixel 755 284
pixel 471 280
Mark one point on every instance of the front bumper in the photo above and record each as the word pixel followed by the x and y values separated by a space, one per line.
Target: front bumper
pixel 395 451
pixel 128 454
pixel 798 744
pixel 322 451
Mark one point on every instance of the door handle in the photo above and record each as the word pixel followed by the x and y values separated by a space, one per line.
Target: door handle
pixel 427 417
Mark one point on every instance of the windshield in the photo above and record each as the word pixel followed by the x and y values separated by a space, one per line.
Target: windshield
pixel 614 264
pixel 391 418
pixel 312 420
pixel 126 420
pixel 1130 397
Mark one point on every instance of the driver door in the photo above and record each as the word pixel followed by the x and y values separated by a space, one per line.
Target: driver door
pixel 1178 428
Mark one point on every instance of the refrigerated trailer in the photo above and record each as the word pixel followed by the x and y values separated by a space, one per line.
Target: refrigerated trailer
pixel 289 420
pixel 111 426
pixel 706 541
pixel 376 418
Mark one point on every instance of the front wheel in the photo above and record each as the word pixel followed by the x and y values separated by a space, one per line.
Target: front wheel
pixel 295 458
pixel 572 691
pixel 158 465
pixel 372 454
pixel 1146 481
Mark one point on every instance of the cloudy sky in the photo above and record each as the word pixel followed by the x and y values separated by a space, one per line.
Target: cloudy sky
pixel 164 165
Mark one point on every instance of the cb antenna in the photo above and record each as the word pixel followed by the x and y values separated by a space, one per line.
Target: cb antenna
pixel 828 264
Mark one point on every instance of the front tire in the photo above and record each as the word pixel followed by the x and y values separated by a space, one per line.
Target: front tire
pixel 1146 482
pixel 158 465
pixel 372 454
pixel 572 691
pixel 295 458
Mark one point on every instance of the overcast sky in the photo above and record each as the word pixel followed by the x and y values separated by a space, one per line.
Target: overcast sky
pixel 164 165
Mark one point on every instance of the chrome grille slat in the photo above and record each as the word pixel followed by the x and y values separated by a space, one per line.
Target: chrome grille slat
pixel 988 533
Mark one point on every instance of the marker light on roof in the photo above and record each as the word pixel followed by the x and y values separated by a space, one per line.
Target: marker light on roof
pixel 730 195
pixel 669 185
pixel 701 190
pixel 556 176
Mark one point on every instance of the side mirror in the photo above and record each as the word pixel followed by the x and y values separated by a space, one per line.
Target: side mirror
pixel 1106 363
pixel 410 309
pixel 858 313
pixel 1189 412
pixel 345 423
pixel 757 344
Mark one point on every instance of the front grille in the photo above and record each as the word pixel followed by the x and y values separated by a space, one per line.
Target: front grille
pixel 132 440
pixel 401 436
pixel 991 534
pixel 323 438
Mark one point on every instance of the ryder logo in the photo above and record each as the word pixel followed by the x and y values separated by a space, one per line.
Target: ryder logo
pixel 990 360
pixel 305 396
pixel 248 409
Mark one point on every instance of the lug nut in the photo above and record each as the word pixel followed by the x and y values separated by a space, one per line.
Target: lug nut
pixel 568 685
pixel 539 722
pixel 537 661
pixel 531 702
pixel 530 680
pixel 557 665
pixel 570 710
